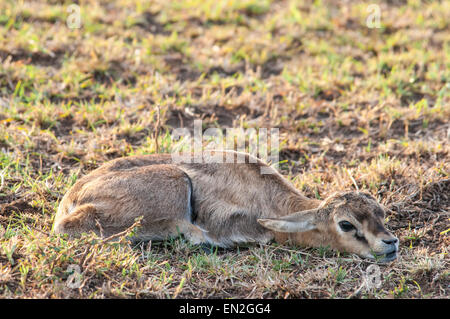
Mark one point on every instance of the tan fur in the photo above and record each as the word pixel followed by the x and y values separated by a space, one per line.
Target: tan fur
pixel 221 203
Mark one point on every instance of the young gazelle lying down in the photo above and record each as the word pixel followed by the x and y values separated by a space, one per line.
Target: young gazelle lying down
pixel 224 204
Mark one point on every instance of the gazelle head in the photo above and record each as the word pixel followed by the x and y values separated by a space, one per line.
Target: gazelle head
pixel 351 222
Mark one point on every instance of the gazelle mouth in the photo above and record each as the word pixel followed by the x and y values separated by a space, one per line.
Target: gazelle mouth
pixel 387 256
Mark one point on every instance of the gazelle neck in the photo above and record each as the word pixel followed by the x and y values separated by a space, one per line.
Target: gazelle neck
pixel 294 202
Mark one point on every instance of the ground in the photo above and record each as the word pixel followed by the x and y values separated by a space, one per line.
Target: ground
pixel 358 105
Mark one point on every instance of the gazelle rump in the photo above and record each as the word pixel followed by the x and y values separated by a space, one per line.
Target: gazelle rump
pixel 220 202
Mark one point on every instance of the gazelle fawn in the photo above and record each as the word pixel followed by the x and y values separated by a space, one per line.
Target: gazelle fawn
pixel 220 203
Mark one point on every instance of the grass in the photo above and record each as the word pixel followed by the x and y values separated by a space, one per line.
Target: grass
pixel 356 107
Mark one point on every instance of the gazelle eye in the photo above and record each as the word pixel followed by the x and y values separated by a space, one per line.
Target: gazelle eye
pixel 346 226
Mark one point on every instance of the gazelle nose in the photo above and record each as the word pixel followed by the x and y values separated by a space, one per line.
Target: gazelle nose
pixel 391 241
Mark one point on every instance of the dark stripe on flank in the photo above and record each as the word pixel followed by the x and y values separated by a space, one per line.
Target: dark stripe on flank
pixel 191 205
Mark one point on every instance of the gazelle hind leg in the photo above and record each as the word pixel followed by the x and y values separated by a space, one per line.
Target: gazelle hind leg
pixel 79 221
pixel 83 220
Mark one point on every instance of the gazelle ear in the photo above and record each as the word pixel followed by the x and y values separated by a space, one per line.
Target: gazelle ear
pixel 294 223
